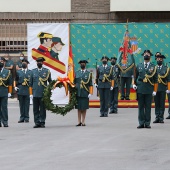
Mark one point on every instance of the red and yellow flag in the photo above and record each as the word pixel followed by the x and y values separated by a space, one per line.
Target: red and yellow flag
pixel 70 73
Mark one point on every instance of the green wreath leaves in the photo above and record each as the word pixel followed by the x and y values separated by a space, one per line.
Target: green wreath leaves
pixel 54 108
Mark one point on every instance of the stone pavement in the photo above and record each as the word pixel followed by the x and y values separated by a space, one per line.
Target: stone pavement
pixel 112 143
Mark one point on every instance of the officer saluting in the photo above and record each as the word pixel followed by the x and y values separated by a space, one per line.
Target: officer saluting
pixel 84 86
pixel 24 91
pixel 146 83
pixel 40 77
pixel 163 83
pixel 5 92
pixel 105 84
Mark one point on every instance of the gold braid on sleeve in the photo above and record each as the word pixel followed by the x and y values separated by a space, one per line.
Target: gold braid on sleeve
pixel 106 76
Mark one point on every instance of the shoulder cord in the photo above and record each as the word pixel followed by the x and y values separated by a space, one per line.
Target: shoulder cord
pixel 105 76
pixel 83 84
pixel 2 80
pixel 124 71
pixel 147 77
pixel 42 80
pixel 161 77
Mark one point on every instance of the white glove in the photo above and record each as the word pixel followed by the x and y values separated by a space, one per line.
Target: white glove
pixel 31 96
pixel 16 88
pixel 167 91
pixel 154 93
pixel 9 94
pixel 111 88
pixel 89 95
pixel 134 87
pixel 96 85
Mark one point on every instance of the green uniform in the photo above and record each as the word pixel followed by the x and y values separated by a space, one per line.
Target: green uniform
pixel 5 81
pixel 9 63
pixel 163 79
pixel 114 92
pixel 104 85
pixel 38 82
pixel 23 83
pixel 83 80
pixel 145 89
pixel 126 80
pixel 19 63
pixel 54 54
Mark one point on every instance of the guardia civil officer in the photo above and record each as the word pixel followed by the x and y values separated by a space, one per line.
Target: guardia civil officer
pixel 24 90
pixel 5 92
pixel 115 91
pixel 105 84
pixel 40 77
pixel 84 87
pixel 146 84
pixel 163 87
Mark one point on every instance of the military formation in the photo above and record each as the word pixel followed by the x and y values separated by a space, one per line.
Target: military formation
pixel 150 81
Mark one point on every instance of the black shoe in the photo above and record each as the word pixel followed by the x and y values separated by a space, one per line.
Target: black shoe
pixel 161 121
pixel 21 121
pixel 101 115
pixel 168 117
pixel 26 121
pixel 140 126
pixel 37 126
pixel 79 124
pixel 42 126
pixel 83 124
pixel 127 98
pixel 122 98
pixel 156 121
pixel 5 125
pixel 0 125
pixel 147 126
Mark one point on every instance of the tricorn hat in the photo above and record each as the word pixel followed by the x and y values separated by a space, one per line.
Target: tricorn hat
pixel 83 61
pixel 160 56
pixel 40 59
pixel 44 35
pixel 147 51
pixel 105 57
pixel 113 58
pixel 25 60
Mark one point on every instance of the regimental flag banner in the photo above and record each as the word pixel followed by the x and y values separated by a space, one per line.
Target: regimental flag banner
pixel 51 41
pixel 70 73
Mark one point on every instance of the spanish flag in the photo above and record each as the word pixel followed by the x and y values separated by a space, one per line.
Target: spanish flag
pixel 70 73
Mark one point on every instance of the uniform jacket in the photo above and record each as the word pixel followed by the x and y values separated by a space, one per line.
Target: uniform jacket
pixel 100 75
pixel 116 75
pixel 19 63
pixel 145 87
pixel 129 73
pixel 36 84
pixel 54 54
pixel 23 87
pixel 162 72
pixel 86 77
pixel 3 89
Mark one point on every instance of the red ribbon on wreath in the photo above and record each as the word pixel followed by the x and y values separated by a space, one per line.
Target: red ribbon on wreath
pixel 65 82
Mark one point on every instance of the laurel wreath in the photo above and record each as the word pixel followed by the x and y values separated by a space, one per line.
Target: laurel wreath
pixel 54 108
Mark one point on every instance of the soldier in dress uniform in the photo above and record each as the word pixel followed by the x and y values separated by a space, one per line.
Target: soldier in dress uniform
pixel 24 91
pixel 146 84
pixel 84 86
pixel 45 41
pixel 105 84
pixel 115 91
pixel 163 83
pixel 19 62
pixel 5 92
pixel 56 47
pixel 40 77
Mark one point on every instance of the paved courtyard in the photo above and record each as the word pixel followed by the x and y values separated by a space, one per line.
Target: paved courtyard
pixel 112 143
